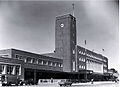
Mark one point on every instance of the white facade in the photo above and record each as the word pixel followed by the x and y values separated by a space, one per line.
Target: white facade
pixel 96 67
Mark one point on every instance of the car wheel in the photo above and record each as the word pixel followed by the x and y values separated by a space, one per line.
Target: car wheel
pixel 9 84
pixel 3 84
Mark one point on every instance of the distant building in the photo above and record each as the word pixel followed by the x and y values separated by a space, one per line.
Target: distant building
pixel 67 59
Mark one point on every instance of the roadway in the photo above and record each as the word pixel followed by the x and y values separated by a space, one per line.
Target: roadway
pixel 95 84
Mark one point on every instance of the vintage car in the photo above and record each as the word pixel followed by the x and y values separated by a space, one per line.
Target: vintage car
pixel 65 82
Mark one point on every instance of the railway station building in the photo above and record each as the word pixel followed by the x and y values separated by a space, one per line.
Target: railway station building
pixel 67 61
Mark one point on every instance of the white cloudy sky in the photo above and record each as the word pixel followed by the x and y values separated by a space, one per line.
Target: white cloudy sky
pixel 30 25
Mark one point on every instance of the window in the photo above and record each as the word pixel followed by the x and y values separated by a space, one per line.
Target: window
pixel 104 60
pixel 105 65
pixel 73 41
pixel 29 60
pixel 3 66
pixel 18 56
pixel 25 60
pixel 73 51
pixel 83 67
pixel 40 61
pixel 83 59
pixel 105 70
pixel 61 65
pixel 73 34
pixel 79 66
pixel 1 69
pixel 9 69
pixel 51 64
pixel 73 63
pixel 79 59
pixel 4 55
pixel 35 61
pixel 45 62
pixel 55 64
pixel 17 70
pixel 80 52
pixel 73 25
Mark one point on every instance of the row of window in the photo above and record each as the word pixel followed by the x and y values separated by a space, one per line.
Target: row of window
pixel 82 59
pixel 4 55
pixel 43 62
pixel 39 61
pixel 89 55
pixel 10 69
pixel 81 52
pixel 90 61
pixel 81 67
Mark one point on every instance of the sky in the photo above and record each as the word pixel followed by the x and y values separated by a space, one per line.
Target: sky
pixel 30 26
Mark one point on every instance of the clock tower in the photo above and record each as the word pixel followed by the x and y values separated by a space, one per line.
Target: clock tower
pixel 65 41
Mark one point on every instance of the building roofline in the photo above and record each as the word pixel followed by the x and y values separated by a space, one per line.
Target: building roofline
pixel 92 51
pixel 64 16
pixel 33 53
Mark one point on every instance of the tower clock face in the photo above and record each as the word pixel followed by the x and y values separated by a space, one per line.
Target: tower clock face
pixel 61 25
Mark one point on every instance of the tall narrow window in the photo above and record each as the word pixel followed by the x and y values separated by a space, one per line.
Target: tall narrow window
pixel 73 51
pixel 0 69
pixel 17 70
pixel 73 65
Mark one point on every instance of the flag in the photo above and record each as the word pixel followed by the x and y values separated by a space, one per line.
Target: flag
pixel 85 42
pixel 73 6
pixel 103 50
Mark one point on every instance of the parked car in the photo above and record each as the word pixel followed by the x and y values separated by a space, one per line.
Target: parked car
pixel 29 82
pixel 65 82
pixel 9 80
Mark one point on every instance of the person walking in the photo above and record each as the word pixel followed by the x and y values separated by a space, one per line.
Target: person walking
pixel 92 81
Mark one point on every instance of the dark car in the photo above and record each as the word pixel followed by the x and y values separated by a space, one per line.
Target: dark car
pixel 65 82
pixel 29 82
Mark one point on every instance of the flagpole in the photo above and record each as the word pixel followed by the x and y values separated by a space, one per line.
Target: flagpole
pixel 85 63
pixel 103 57
pixel 73 9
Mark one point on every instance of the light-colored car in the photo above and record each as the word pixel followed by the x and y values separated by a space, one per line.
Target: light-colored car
pixel 65 82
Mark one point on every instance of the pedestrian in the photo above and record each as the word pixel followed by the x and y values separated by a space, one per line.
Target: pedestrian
pixel 92 81
pixel 51 80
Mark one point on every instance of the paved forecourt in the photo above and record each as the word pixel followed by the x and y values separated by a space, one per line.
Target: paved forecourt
pixel 95 84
